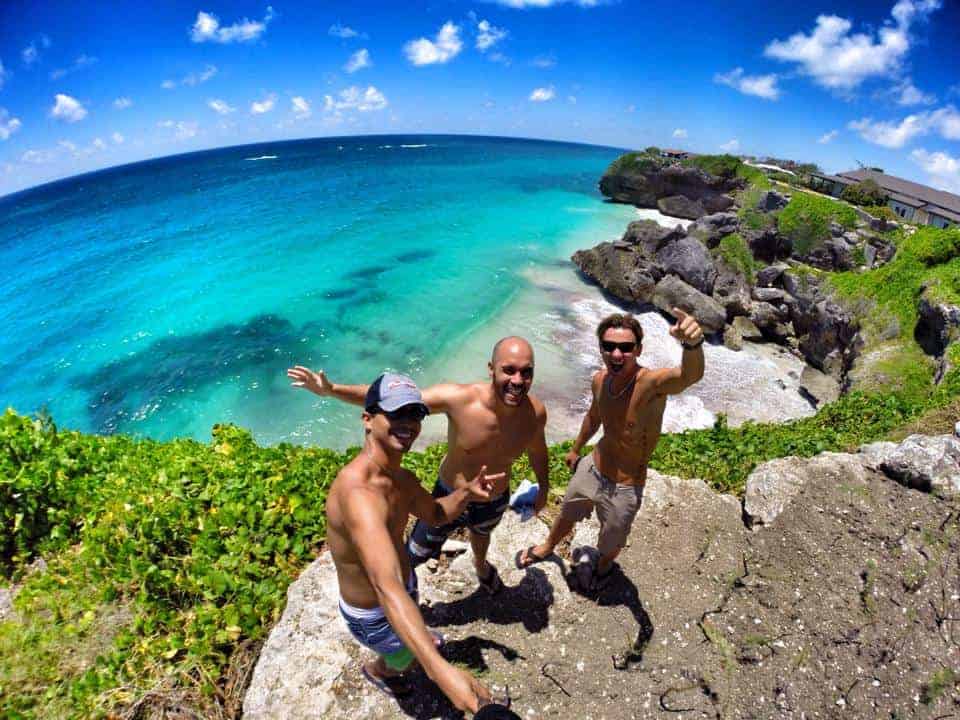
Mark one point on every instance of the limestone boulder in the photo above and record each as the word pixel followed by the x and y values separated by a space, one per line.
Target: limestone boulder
pixel 771 200
pixel 731 289
pixel 672 292
pixel 620 271
pixel 924 462
pixel 648 236
pixel 771 320
pixel 688 259
pixel 770 276
pixel 819 387
pixel 767 244
pixel 938 324
pixel 681 206
pixel 710 229
pixel 774 484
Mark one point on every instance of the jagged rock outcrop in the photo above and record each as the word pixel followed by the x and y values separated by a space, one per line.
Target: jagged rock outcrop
pixel 672 292
pixel 827 335
pixel 771 200
pixel 834 254
pixel 731 289
pixel 620 271
pixel 710 229
pixel 688 259
pixel 937 326
pixel 681 206
pixel 767 244
pixel 645 182
pixel 649 236
pixel 842 589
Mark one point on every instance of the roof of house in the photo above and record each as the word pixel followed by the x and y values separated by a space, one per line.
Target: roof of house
pixel 942 212
pixel 672 151
pixel 916 191
pixel 834 178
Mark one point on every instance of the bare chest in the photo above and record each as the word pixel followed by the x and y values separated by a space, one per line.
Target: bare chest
pixel 482 434
pixel 635 411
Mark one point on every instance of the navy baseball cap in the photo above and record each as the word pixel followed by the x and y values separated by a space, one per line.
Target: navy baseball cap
pixel 392 391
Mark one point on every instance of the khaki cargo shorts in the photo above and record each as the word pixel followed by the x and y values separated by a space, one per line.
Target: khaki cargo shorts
pixel 617 505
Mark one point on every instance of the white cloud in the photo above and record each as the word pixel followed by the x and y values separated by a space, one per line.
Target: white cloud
pixel 81 62
pixel 731 146
pixel 944 121
pixel 353 98
pixel 199 78
pixel 259 107
pixel 680 133
pixel 168 84
pixel 572 99
pixel 29 54
pixel 207 28
pixel 544 61
pixel 220 107
pixel 342 31
pixel 828 137
pixel 38 157
pixel 117 138
pixel 122 103
pixel 446 46
pixel 3 74
pixel 300 107
pixel 943 169
pixel 359 60
pixel 764 86
pixel 839 60
pixel 8 127
pixel 488 35
pixel 68 109
pixel 99 144
pixel 69 147
pixel 909 94
pixel 542 94
pixel 499 57
pixel 184 129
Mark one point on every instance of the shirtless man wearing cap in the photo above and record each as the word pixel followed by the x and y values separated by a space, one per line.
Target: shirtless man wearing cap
pixel 490 424
pixel 367 510
pixel 628 401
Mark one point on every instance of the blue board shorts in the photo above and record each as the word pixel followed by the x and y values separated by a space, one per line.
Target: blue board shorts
pixel 425 541
pixel 370 628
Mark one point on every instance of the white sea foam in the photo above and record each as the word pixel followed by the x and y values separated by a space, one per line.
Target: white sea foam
pixel 263 157
pixel 661 219
pixel 414 146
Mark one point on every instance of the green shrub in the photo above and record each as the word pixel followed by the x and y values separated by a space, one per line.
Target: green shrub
pixel 634 162
pixel 864 193
pixel 884 212
pixel 806 220
pixel 736 253
pixel 724 166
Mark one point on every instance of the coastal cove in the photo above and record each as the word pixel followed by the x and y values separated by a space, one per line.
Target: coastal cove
pixel 161 298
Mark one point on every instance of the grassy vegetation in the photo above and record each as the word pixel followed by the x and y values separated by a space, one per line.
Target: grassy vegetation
pixel 806 219
pixel 634 163
pixel 736 253
pixel 164 557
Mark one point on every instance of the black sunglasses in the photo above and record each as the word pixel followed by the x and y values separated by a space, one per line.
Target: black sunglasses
pixel 407 412
pixel 625 347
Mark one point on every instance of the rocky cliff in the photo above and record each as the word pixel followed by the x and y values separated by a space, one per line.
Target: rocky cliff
pixel 832 591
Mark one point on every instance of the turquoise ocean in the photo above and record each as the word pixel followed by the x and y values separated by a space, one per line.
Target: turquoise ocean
pixel 160 298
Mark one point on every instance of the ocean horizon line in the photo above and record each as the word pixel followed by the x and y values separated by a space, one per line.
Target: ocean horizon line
pixel 158 159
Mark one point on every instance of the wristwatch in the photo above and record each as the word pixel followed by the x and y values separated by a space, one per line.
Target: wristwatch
pixel 693 347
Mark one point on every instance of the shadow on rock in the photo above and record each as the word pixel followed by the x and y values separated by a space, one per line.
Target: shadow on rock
pixel 527 603
pixel 427 701
pixel 618 590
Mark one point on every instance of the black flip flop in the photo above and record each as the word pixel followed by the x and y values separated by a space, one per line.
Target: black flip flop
pixel 396 687
pixel 492 582
pixel 532 558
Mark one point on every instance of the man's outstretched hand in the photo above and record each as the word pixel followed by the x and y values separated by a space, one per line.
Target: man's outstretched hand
pixel 480 487
pixel 687 330
pixel 315 382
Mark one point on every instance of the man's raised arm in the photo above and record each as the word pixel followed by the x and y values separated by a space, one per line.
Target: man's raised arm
pixel 440 511
pixel 319 384
pixel 366 519
pixel 688 332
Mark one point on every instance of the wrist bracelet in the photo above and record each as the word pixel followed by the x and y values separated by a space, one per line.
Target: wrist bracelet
pixel 693 347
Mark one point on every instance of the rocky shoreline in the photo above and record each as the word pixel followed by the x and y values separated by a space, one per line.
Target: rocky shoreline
pixel 742 277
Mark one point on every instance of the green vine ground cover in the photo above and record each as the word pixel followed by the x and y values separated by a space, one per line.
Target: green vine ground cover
pixel 164 557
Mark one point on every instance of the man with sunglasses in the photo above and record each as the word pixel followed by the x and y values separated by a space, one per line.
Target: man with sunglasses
pixel 628 402
pixel 490 424
pixel 367 510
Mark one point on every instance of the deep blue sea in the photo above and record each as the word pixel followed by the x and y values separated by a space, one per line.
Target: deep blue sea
pixel 163 297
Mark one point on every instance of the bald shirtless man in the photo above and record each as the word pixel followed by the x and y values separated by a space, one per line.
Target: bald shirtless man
pixel 628 401
pixel 367 510
pixel 490 424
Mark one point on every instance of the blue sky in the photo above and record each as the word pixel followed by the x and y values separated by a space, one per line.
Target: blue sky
pixel 90 85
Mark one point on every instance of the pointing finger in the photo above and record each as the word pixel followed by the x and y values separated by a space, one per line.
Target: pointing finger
pixel 679 314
